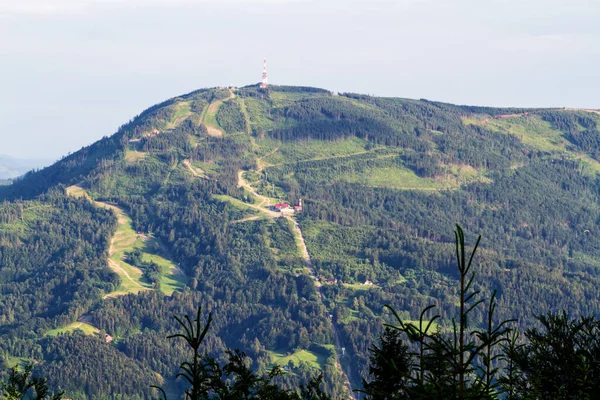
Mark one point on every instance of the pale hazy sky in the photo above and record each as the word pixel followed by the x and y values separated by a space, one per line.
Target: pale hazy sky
pixel 72 71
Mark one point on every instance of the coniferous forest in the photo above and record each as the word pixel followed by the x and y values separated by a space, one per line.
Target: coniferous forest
pixel 366 288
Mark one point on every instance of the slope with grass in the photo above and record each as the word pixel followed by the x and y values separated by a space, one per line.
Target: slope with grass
pixel 382 181
pixel 126 240
pixel 85 327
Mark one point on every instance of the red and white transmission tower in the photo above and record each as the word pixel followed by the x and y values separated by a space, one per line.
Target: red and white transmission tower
pixel 265 82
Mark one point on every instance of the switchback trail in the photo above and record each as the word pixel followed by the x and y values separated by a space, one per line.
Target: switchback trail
pixel 263 207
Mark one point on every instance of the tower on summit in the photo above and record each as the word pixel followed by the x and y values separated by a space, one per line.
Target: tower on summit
pixel 265 82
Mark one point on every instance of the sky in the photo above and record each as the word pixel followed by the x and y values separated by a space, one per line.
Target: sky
pixel 73 71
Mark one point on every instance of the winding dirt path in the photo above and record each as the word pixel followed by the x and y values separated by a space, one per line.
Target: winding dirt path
pixel 254 218
pixel 197 172
pixel 265 202
pixel 120 271
pixel 78 191
pixel 301 243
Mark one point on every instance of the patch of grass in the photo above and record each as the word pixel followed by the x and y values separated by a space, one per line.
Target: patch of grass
pixel 591 167
pixel 207 167
pixel 244 210
pixel 382 168
pixel 125 240
pixel 235 202
pixel 392 177
pixel 77 191
pixel 182 110
pixel 291 152
pixel 473 119
pixel 540 135
pixel 82 326
pixel 281 99
pixel 11 361
pixel 133 156
pixel 359 287
pixel 313 359
pixel 414 322
pixel 171 279
pixel 532 131
pixel 210 116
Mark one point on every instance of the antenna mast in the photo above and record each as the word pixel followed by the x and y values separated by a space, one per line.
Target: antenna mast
pixel 265 82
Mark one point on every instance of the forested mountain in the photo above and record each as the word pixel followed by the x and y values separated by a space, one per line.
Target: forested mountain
pixel 174 211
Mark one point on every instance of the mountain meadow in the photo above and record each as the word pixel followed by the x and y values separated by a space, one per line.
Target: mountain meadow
pixel 295 216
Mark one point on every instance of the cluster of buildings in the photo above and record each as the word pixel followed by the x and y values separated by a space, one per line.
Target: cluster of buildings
pixel 286 209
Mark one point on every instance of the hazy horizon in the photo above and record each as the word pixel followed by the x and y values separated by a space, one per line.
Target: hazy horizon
pixel 72 71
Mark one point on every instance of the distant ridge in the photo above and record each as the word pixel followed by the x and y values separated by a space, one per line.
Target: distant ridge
pixel 11 167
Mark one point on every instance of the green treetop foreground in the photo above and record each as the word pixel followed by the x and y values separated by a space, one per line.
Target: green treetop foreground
pixel 558 359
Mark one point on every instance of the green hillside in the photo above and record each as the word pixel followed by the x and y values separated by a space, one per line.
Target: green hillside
pixel 175 211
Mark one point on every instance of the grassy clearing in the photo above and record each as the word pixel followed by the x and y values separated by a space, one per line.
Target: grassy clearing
pixel 591 167
pixel 171 279
pixel 540 135
pixel 77 191
pixel 248 211
pixel 18 362
pixel 182 111
pixel 210 117
pixel 207 167
pixel 291 152
pixel 402 178
pixel 313 359
pixel 132 156
pixel 359 287
pixel 393 177
pixel 281 99
pixel 532 131
pixel 474 119
pixel 349 161
pixel 82 326
pixel 236 203
pixel 125 240
pixel 434 326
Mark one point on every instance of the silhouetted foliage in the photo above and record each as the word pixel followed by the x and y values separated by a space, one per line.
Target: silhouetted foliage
pixel 21 385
